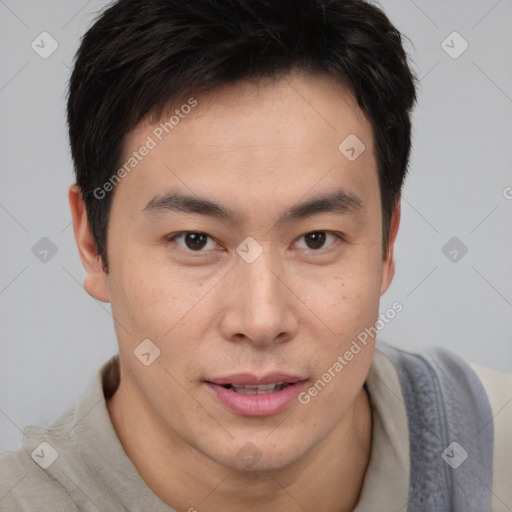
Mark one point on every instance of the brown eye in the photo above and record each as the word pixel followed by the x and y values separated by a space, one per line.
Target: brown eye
pixel 315 240
pixel 192 240
pixel 195 240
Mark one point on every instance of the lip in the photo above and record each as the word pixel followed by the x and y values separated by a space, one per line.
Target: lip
pixel 267 404
pixel 249 379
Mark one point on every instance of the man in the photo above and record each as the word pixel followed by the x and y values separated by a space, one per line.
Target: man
pixel 239 167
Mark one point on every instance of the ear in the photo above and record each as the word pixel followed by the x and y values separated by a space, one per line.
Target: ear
pixel 388 268
pixel 95 282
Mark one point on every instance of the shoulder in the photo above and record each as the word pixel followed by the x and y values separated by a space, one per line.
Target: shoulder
pixel 450 375
pixel 450 371
pixel 48 471
pixel 470 402
pixel 23 483
pixel 498 387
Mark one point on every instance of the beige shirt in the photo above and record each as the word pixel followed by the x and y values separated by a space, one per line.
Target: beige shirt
pixel 77 463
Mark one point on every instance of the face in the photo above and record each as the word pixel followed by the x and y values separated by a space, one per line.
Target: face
pixel 273 284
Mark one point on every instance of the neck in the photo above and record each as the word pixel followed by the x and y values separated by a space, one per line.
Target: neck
pixel 328 478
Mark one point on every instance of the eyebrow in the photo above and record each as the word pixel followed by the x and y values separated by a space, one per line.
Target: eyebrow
pixel 338 201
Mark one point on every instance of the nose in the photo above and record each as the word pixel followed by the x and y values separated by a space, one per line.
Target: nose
pixel 260 306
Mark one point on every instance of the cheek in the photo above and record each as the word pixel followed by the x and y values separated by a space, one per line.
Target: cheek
pixel 344 296
pixel 151 297
pixel 347 306
pixel 344 349
pixel 160 304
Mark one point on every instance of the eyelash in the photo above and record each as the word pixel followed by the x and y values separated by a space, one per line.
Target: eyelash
pixel 172 238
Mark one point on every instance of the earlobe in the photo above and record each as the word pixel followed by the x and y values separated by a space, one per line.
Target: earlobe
pixel 95 282
pixel 388 267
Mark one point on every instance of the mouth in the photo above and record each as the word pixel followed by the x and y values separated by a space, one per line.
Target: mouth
pixel 257 390
pixel 255 398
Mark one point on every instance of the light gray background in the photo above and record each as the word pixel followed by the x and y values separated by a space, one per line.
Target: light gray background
pixel 54 336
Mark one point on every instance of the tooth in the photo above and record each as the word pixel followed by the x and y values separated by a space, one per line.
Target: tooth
pixel 261 387
pixel 244 391
pixel 259 390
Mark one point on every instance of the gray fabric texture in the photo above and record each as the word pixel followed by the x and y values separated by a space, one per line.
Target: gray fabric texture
pixel 446 404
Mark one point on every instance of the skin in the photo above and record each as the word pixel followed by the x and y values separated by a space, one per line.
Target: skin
pixel 296 308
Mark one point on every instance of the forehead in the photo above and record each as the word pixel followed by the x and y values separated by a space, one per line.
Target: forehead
pixel 285 134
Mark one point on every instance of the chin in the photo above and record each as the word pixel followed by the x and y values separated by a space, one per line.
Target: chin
pixel 264 454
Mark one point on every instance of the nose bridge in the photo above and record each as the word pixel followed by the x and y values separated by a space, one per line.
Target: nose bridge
pixel 261 304
pixel 261 277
